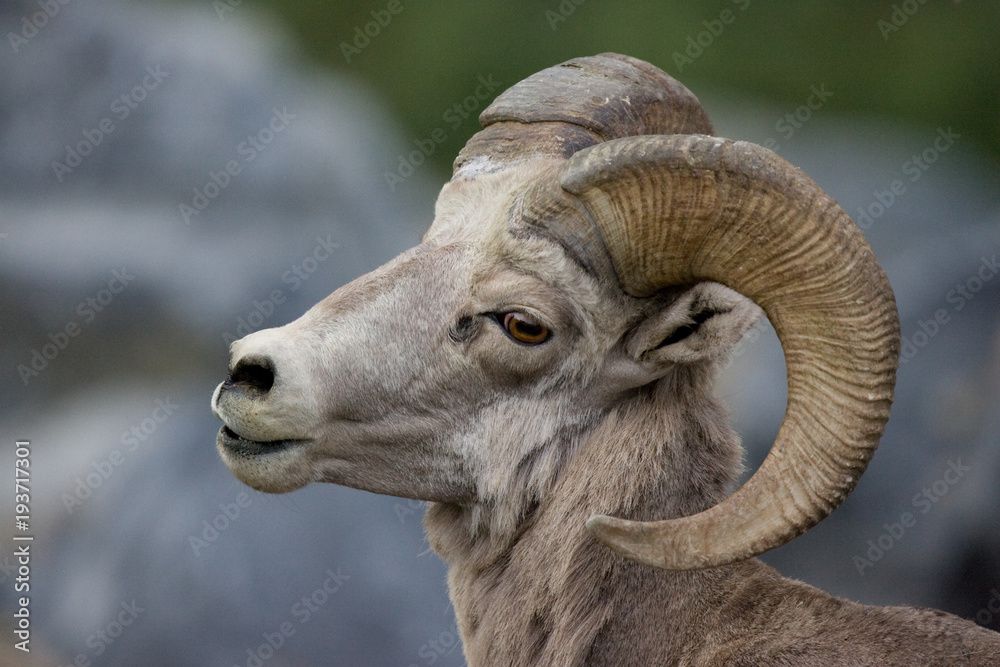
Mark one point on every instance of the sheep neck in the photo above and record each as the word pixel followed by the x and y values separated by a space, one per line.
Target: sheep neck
pixel 546 592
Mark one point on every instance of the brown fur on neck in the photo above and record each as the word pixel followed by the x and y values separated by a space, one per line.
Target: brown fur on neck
pixel 549 594
pixel 549 579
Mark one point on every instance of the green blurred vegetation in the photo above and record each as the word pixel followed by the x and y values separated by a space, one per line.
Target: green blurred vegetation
pixel 941 67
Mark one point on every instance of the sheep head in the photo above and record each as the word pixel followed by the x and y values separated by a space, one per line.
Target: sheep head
pixel 594 238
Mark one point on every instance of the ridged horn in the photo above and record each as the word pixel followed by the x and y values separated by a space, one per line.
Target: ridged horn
pixel 676 210
pixel 577 104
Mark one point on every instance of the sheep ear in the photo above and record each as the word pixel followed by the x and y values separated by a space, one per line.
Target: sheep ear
pixel 701 325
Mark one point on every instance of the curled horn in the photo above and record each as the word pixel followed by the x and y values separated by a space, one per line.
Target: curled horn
pixel 682 209
pixel 581 102
pixel 675 207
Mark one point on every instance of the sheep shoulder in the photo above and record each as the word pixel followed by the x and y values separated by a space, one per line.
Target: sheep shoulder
pixel 549 594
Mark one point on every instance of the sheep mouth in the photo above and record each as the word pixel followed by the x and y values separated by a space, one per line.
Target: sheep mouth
pixel 237 444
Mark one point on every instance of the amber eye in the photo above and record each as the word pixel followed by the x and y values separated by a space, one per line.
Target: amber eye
pixel 524 329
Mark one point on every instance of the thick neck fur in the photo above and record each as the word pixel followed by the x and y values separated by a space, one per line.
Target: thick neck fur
pixel 547 592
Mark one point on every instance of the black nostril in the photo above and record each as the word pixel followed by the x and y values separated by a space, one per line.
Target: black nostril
pixel 255 373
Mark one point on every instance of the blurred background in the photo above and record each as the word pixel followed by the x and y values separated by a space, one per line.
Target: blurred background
pixel 174 175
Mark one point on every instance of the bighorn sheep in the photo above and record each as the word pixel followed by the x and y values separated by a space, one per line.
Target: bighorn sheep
pixel 543 361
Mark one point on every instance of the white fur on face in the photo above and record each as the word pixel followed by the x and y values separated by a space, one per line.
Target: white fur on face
pixel 378 392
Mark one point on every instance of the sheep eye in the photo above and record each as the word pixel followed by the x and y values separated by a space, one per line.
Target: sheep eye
pixel 524 328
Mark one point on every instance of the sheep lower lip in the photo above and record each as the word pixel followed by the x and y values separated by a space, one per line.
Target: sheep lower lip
pixel 238 444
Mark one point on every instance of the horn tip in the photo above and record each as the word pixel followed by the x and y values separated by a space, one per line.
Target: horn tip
pixel 653 543
pixel 610 530
pixel 599 523
pixel 627 538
